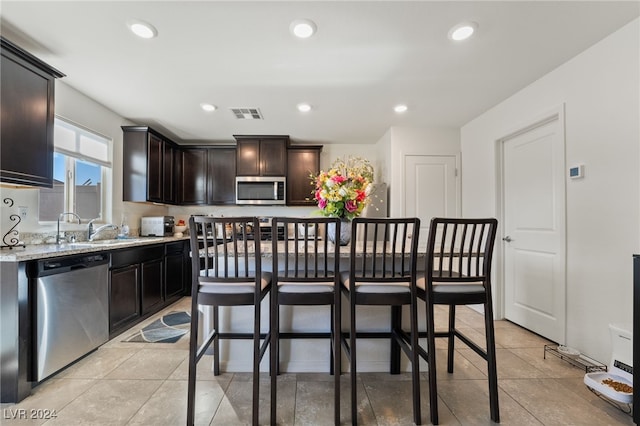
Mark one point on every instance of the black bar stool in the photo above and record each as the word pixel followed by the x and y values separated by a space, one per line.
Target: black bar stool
pixel 305 272
pixel 382 272
pixel 226 271
pixel 458 272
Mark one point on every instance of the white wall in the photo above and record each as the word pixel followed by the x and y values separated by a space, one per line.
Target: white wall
pixel 600 89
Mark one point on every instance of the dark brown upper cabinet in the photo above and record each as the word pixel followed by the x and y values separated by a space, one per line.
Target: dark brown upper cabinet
pixel 303 161
pixel 170 155
pixel 149 166
pixel 221 175
pixel 261 155
pixel 208 175
pixel 193 182
pixel 27 105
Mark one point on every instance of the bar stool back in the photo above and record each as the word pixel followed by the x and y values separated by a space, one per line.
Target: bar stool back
pixel 226 271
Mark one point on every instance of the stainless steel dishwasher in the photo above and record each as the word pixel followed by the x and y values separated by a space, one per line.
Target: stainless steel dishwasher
pixel 72 315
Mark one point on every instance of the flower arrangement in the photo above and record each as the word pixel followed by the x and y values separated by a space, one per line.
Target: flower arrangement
pixel 344 190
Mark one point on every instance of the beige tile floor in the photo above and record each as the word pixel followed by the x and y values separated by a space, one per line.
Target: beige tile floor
pixel 145 384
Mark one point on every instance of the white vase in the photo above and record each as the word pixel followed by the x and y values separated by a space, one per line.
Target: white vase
pixel 345 232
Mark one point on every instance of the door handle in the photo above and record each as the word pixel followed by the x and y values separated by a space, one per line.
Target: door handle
pixel 507 239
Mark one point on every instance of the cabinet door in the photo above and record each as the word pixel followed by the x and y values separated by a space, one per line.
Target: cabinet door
pixel 177 175
pixel 151 284
pixel 302 162
pixel 194 176
pixel 273 157
pixel 248 157
pixel 134 171
pixel 168 173
pixel 27 105
pixel 221 176
pixel 154 169
pixel 124 299
pixel 174 275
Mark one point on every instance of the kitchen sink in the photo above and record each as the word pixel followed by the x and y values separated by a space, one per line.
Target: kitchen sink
pixel 115 242
pixel 106 243
pixel 75 245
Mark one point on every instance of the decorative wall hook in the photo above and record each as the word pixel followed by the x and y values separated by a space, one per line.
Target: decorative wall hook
pixel 10 239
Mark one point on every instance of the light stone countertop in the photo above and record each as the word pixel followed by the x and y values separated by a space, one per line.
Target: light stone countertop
pixel 43 251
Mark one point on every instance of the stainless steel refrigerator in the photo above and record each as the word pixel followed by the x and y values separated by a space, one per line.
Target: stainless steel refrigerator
pixel 378 207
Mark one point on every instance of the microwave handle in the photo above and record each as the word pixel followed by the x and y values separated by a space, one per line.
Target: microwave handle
pixel 275 190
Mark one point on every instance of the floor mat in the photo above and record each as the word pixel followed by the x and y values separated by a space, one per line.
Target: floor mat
pixel 168 329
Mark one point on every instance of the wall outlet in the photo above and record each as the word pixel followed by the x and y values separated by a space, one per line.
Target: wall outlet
pixel 23 211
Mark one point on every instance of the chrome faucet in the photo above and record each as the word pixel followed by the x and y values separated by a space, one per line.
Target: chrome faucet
pixel 91 233
pixel 58 226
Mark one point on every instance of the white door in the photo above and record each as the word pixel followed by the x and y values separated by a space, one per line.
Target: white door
pixel 534 228
pixel 430 189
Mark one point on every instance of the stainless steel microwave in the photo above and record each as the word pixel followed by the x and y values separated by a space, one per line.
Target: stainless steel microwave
pixel 266 190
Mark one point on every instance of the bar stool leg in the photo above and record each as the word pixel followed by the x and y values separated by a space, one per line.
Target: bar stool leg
pixel 256 365
pixel 274 354
pixel 193 347
pixel 415 363
pixel 352 365
pixel 336 361
pixel 451 338
pixel 492 369
pixel 431 362
pixel 216 342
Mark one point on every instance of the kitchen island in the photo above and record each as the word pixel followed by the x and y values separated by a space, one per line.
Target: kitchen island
pixel 312 354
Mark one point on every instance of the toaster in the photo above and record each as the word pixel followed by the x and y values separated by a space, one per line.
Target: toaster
pixel 156 226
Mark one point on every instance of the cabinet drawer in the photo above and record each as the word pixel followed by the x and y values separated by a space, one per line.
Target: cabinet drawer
pixel 126 257
pixel 176 247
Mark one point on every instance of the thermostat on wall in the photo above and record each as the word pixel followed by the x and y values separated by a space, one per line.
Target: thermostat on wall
pixel 576 172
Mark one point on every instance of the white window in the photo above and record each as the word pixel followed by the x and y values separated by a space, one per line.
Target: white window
pixel 81 174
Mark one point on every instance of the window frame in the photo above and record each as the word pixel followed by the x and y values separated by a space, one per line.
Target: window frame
pixel 71 159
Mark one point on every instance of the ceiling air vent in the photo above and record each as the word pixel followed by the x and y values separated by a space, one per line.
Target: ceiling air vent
pixel 247 113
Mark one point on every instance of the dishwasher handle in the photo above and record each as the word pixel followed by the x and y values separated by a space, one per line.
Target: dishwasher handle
pixel 69 263
pixel 80 266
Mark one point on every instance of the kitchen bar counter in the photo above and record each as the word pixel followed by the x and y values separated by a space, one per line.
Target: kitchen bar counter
pixel 266 248
pixel 44 251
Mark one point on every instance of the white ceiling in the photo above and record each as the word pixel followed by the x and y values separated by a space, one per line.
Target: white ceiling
pixel 366 57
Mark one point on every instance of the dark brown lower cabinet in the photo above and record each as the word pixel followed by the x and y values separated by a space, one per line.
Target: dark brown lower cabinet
pixel 137 284
pixel 151 283
pixel 124 297
pixel 175 267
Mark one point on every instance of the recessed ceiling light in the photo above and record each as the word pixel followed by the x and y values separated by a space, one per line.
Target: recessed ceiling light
pixel 400 108
pixel 142 29
pixel 208 107
pixel 303 28
pixel 462 31
pixel 304 107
